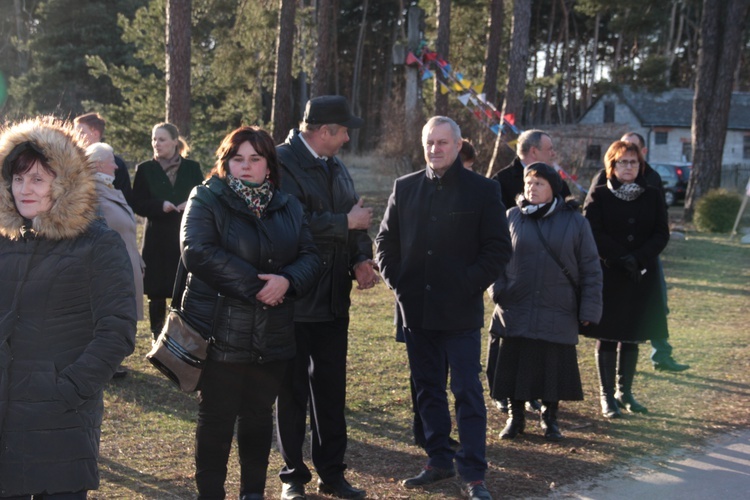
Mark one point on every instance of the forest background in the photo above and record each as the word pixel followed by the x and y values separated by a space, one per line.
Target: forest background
pixel 212 65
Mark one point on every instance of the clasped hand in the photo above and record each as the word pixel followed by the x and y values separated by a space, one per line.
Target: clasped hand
pixel 366 273
pixel 168 206
pixel 630 265
pixel 272 293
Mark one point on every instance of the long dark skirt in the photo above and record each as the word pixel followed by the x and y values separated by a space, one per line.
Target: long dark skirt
pixel 534 369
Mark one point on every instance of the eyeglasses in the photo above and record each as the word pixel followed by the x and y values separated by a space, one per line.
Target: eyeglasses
pixel 627 163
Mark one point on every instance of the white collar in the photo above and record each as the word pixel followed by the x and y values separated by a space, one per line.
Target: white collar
pixel 312 151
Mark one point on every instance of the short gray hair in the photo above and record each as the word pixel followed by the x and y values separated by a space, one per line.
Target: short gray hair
pixel 100 151
pixel 530 139
pixel 439 120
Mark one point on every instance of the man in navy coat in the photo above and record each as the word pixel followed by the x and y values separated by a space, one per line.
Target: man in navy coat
pixel 443 240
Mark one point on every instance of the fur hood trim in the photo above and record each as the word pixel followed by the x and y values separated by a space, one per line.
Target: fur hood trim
pixel 74 198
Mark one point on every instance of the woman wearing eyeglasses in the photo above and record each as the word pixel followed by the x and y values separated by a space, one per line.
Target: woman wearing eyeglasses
pixel 629 222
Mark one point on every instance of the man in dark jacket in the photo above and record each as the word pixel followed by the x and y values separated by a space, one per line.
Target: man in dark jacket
pixel 661 352
pixel 443 240
pixel 532 146
pixel 339 223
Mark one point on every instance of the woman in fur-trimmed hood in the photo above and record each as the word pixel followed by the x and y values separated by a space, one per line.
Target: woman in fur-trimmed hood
pixel 67 312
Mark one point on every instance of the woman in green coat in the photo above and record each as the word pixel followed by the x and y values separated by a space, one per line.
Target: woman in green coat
pixel 160 191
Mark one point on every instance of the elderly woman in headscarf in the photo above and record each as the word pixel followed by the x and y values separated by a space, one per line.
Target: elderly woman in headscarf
pixel 67 312
pixel 552 285
pixel 160 191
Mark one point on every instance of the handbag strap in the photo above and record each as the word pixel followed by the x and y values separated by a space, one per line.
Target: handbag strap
pixel 180 282
pixel 552 254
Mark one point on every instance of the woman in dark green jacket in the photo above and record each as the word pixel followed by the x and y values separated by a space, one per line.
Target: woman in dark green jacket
pixel 160 191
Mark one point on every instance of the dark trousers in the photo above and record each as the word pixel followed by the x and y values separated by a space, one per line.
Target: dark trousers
pixel 235 392
pixel 493 348
pixel 661 350
pixel 318 376
pixel 428 352
pixel 78 495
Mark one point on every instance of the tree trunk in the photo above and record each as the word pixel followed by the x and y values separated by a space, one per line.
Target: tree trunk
pixel 322 83
pixel 442 47
pixel 492 54
pixel 519 56
pixel 357 77
pixel 178 64
pixel 594 60
pixel 550 59
pixel 22 33
pixel 721 33
pixel 282 116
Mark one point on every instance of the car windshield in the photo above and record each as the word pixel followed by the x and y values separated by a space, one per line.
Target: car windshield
pixel 666 173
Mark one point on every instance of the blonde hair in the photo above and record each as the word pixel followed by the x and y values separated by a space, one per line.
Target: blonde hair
pixel 182 146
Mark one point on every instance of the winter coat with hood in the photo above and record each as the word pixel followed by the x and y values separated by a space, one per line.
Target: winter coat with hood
pixel 224 248
pixel 327 198
pixel 67 320
pixel 534 298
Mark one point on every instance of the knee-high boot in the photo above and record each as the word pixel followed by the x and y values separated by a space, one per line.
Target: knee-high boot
pixel 157 311
pixel 516 422
pixel 625 374
pixel 606 363
pixel 549 421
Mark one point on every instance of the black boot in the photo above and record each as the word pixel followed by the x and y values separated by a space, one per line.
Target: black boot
pixel 625 375
pixel 516 422
pixel 157 312
pixel 606 363
pixel 549 421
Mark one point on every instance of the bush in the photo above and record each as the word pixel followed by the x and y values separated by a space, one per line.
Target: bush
pixel 716 211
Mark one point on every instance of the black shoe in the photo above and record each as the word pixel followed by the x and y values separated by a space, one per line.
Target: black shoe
pixel 340 488
pixel 670 365
pixel 627 401
pixel 120 373
pixel 293 490
pixel 251 496
pixel 609 407
pixel 513 427
pixel 476 490
pixel 428 476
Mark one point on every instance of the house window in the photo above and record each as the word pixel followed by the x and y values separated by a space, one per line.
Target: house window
pixel 746 147
pixel 660 137
pixel 687 151
pixel 609 112
pixel 594 152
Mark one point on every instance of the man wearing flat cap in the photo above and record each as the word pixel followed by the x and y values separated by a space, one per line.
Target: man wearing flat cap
pixel 339 223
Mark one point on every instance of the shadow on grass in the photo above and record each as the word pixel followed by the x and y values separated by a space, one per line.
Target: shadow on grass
pixel 154 393
pixel 699 382
pixel 141 483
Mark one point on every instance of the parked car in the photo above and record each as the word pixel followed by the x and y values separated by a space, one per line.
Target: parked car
pixel 674 177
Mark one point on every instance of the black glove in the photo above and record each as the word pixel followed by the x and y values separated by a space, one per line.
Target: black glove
pixel 630 265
